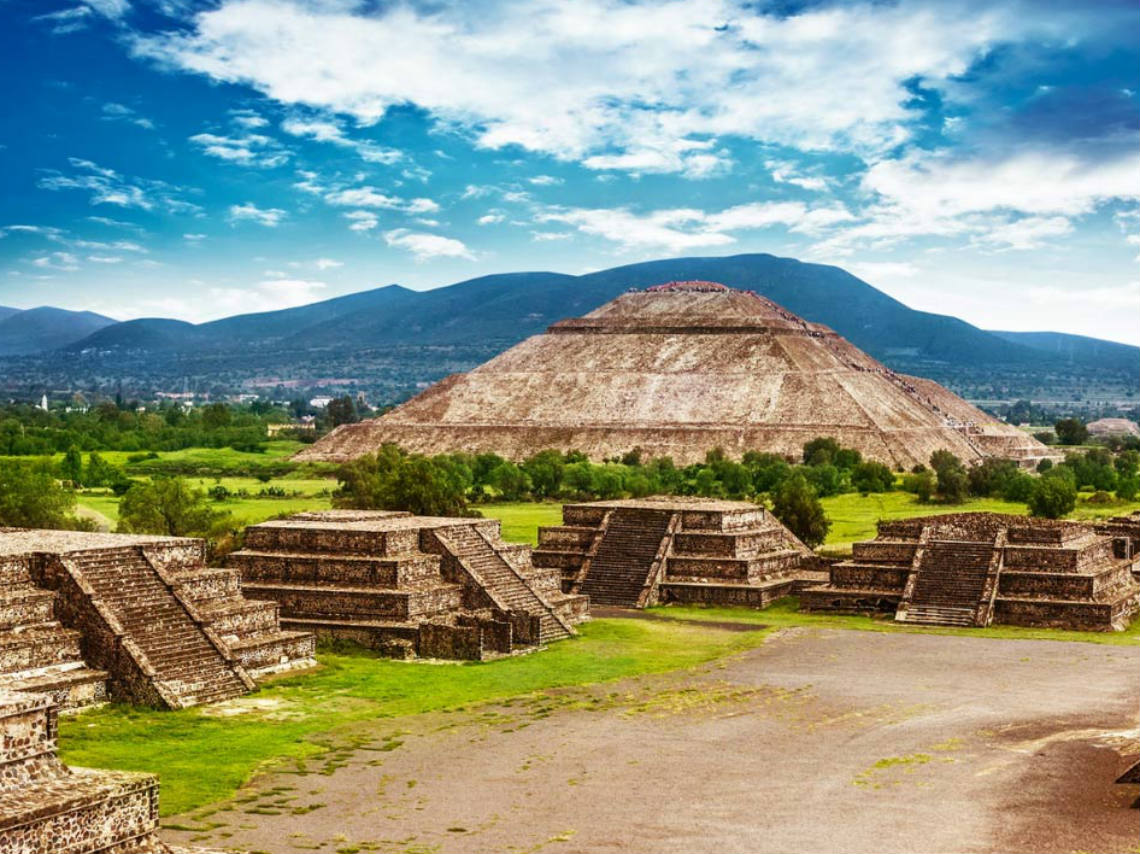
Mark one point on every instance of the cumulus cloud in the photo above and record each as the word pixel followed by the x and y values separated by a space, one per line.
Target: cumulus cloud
pixel 371 197
pixel 249 212
pixel 426 246
pixel 361 220
pixel 615 85
pixel 62 261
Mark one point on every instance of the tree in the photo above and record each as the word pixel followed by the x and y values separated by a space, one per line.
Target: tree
pixel 921 483
pixel 392 480
pixel 30 497
pixel 1071 431
pixel 952 480
pixel 341 410
pixel 172 507
pixel 1054 495
pixel 820 451
pixel 796 505
pixel 71 467
pixel 215 415
pixel 872 477
pixel 545 472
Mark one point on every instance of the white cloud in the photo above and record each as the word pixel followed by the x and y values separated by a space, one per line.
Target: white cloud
pixel 249 212
pixel 63 261
pixel 1031 232
pixel 877 271
pixel 120 112
pixel 327 263
pixel 108 187
pixel 490 219
pixel 249 119
pixel 105 259
pixel 680 229
pixel 252 149
pixel 330 130
pixel 617 85
pixel 370 197
pixel 427 246
pixel 362 220
pixel 194 237
pixel 548 236
pixel 544 181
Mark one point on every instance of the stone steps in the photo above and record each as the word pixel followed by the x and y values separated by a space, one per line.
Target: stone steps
pixel 950 584
pixel 148 611
pixel 620 567
pixel 69 685
pixel 25 605
pixel 314 600
pixel 502 581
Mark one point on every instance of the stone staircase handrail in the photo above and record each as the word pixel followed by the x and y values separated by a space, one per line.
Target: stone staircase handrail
pixel 657 568
pixel 591 552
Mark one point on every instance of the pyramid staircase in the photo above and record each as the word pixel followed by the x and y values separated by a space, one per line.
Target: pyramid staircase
pixel 631 549
pixel 500 581
pixel 47 807
pixel 36 652
pixel 952 584
pixel 180 661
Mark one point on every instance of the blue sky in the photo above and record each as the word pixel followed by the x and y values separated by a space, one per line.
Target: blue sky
pixel 194 160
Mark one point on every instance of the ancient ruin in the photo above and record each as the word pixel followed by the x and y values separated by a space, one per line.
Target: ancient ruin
pixel 87 616
pixel 637 553
pixel 406 585
pixel 47 807
pixel 971 569
pixel 677 370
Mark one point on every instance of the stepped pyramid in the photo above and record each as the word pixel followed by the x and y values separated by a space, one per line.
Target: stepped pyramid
pixel 435 587
pixel 974 569
pixel 86 616
pixel 676 370
pixel 633 553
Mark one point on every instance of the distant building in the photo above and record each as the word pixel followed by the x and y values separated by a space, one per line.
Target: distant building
pixel 320 402
pixel 301 425
pixel 44 403
pixel 1113 427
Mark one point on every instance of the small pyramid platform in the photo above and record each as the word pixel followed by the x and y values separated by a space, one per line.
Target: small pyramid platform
pixel 637 553
pixel 974 569
pixel 433 587
pixel 90 616
pixel 677 370
pixel 47 807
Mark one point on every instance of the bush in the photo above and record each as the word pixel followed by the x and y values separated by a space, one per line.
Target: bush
pixel 952 480
pixel 1071 431
pixel 872 477
pixel 172 507
pixel 30 497
pixel 795 504
pixel 1054 495
pixel 921 484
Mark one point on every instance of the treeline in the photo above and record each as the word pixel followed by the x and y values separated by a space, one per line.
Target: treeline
pixel 391 474
pixel 125 426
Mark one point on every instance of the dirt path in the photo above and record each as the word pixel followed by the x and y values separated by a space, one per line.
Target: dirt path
pixel 819 741
pixel 102 523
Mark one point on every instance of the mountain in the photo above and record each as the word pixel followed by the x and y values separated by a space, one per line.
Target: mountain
pixel 1077 349
pixel 391 340
pixel 37 330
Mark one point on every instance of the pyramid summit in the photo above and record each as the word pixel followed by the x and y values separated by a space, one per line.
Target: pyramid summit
pixel 676 370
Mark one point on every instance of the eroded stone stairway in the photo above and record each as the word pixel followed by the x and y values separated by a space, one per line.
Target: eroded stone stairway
pixel 172 650
pixel 950 585
pixel 630 546
pixel 500 581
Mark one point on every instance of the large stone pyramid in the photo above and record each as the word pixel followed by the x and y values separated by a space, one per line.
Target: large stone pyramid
pixel 676 370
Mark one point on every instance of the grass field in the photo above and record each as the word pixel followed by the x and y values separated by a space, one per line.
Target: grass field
pixel 205 757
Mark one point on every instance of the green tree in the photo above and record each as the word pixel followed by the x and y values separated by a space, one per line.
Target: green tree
pixel 215 415
pixel 30 497
pixel 170 506
pixel 921 483
pixel 1071 431
pixel 545 472
pixel 872 477
pixel 1054 495
pixel 795 504
pixel 820 451
pixel 71 466
pixel 341 410
pixel 952 480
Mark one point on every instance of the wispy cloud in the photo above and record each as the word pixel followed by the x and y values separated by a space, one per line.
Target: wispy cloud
pixel 250 149
pixel 107 187
pixel 249 212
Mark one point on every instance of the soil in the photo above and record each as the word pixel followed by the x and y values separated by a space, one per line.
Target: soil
pixel 818 741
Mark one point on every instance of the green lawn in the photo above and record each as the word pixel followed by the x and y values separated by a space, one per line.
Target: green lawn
pixel 521 521
pixel 204 757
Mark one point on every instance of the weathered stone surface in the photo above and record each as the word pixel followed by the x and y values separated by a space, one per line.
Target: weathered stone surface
pixel 676 371
pixel 978 567
pixel 160 627
pixel 634 553
pixel 406 585
pixel 47 807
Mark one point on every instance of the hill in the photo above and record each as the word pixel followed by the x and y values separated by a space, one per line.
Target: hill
pixel 389 341
pixel 37 330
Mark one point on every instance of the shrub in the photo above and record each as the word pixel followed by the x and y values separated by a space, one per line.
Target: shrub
pixel 1054 495
pixel 796 505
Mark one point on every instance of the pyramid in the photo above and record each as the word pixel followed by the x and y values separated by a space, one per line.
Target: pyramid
pixel 676 370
